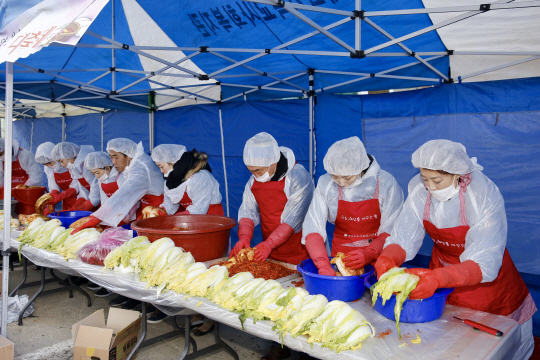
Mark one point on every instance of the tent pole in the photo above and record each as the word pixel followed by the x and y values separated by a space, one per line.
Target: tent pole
pixel 151 130
pixel 102 132
pixel 113 36
pixel 311 122
pixel 7 195
pixel 63 128
pixel 358 27
pixel 223 158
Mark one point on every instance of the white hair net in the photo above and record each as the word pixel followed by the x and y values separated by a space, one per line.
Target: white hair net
pixel 122 145
pixel 65 150
pixel 43 152
pixel 444 155
pixel 168 153
pixel 97 160
pixel 346 157
pixel 261 150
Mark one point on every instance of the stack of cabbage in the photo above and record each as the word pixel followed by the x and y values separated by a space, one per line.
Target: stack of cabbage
pixel 335 325
pixel 52 236
pixel 13 224
pixel 397 281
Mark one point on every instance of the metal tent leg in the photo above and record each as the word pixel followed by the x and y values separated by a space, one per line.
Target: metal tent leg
pixel 25 275
pixel 219 345
pixel 78 288
pixel 33 297
pixel 143 335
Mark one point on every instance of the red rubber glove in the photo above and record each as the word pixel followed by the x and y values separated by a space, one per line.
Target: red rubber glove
pixel 464 274
pixel 277 238
pixel 54 192
pixel 245 233
pixel 359 258
pixel 392 256
pixel 317 253
pixel 84 205
pixel 57 197
pixel 93 221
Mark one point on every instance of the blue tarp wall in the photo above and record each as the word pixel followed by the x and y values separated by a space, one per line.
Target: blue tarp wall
pixel 498 122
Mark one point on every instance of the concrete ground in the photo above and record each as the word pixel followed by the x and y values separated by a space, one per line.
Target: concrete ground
pixel 47 333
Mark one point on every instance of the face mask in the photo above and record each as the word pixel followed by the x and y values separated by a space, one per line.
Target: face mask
pixel 167 173
pixel 103 177
pixel 56 166
pixel 263 178
pixel 70 166
pixel 446 193
pixel 2 158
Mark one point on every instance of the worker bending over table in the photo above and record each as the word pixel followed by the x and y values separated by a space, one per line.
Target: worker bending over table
pixel 189 184
pixel 360 198
pixel 277 196
pixel 83 184
pixel 463 212
pixel 24 168
pixel 58 177
pixel 140 184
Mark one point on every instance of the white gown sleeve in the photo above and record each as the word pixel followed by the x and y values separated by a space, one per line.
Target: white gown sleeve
pixel 299 194
pixel 485 241
pixel 51 181
pixel 249 208
pixel 200 191
pixel 317 215
pixel 31 166
pixel 131 189
pixel 390 200
pixel 408 231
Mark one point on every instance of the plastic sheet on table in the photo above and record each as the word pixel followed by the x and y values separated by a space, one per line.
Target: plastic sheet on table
pixel 444 338
pixel 15 305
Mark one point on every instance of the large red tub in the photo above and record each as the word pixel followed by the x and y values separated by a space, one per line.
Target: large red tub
pixel 27 199
pixel 205 236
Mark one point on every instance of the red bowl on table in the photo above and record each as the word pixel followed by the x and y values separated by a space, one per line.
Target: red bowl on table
pixel 27 199
pixel 205 236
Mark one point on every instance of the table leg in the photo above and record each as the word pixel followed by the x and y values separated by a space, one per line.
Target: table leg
pixel 187 336
pixel 78 288
pixel 25 275
pixel 33 297
pixel 143 335
pixel 223 344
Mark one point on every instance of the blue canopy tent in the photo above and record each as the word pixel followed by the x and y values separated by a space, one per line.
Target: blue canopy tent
pixel 141 64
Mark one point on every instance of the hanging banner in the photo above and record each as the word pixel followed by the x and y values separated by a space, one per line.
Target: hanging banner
pixel 60 21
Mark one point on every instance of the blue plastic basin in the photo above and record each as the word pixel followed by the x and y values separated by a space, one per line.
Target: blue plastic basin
pixel 69 217
pixel 128 227
pixel 414 311
pixel 344 288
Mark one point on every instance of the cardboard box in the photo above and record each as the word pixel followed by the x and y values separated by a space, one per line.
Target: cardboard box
pixel 95 340
pixel 6 349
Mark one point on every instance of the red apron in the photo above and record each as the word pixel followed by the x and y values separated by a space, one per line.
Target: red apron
pixel 110 188
pixel 149 200
pixel 502 296
pixel 18 175
pixel 213 209
pixel 63 180
pixel 357 223
pixel 82 180
pixel 271 200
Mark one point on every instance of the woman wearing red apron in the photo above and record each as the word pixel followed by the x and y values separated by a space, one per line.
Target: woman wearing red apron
pixel 24 168
pixel 139 181
pixel 58 177
pixel 277 196
pixel 361 199
pixel 190 187
pixel 83 186
pixel 463 212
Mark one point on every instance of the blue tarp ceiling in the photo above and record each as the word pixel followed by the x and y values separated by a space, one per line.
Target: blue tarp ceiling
pixel 222 25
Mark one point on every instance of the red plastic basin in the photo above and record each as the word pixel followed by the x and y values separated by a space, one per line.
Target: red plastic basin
pixel 205 236
pixel 27 199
